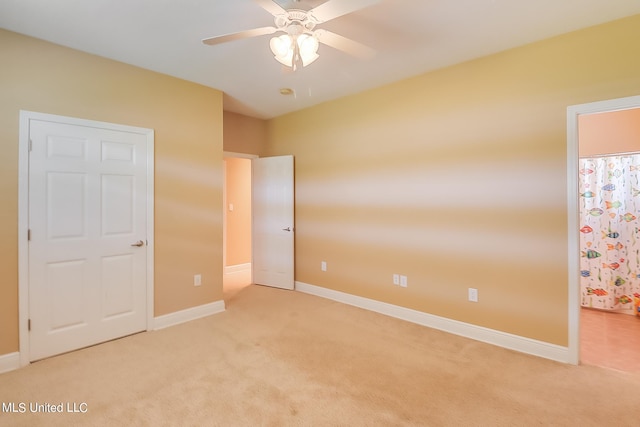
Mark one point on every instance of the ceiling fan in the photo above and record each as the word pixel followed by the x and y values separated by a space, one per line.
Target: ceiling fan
pixel 299 43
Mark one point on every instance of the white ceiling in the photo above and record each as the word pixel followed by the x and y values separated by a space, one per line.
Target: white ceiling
pixel 410 36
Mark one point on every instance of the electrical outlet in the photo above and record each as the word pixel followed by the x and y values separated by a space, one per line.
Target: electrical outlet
pixel 323 266
pixel 396 279
pixel 197 280
pixel 473 295
pixel 403 281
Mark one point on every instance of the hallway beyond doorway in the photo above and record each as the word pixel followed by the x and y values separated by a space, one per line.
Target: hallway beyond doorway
pixel 235 282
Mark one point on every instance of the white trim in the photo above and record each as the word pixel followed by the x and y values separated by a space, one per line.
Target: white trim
pixel 189 314
pixel 9 362
pixel 151 207
pixel 479 333
pixel 238 268
pixel 573 212
pixel 573 261
pixel 227 154
pixel 23 214
pixel 23 249
pixel 224 211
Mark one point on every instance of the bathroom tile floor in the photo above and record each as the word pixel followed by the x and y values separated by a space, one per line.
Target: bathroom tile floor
pixel 610 340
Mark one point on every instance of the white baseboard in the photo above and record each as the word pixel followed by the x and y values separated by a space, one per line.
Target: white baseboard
pixel 237 268
pixel 9 362
pixel 187 315
pixel 479 333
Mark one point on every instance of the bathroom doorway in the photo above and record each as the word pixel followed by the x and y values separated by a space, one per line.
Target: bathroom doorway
pixel 604 330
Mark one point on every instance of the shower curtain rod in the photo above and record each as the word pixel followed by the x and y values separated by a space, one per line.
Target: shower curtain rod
pixel 595 156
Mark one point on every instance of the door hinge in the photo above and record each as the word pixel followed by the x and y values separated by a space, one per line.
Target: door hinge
pixel 29 324
pixel 30 145
pixel 29 234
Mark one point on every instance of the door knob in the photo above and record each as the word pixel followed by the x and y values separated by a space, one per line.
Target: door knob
pixel 138 243
pixel 286 229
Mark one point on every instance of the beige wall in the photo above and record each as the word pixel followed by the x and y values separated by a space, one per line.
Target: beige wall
pixel 457 179
pixel 238 194
pixel 611 132
pixel 243 134
pixel 187 119
pixel 246 135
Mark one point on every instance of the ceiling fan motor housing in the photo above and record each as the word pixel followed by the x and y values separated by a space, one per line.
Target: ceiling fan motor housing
pixel 295 22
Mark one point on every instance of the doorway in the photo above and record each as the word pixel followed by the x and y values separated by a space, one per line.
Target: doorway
pixel 237 235
pixel 258 222
pixel 598 337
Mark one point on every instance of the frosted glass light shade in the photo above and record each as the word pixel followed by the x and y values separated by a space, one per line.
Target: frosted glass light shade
pixel 283 49
pixel 281 46
pixel 308 46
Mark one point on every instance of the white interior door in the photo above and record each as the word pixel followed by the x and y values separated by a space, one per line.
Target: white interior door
pixel 87 247
pixel 273 228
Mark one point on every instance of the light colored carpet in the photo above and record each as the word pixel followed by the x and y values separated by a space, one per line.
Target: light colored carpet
pixel 282 358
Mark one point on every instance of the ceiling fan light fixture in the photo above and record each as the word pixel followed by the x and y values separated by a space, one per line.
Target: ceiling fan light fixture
pixel 284 49
pixel 299 46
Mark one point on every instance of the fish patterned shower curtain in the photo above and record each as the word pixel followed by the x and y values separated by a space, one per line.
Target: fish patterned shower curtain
pixel 609 203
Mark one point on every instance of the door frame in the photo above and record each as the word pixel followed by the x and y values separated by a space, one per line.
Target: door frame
pixel 23 215
pixel 573 220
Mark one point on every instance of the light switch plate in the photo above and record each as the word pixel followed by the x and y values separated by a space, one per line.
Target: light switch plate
pixel 403 281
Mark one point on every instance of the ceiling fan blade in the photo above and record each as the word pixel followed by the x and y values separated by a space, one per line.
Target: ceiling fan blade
pixel 271 7
pixel 335 8
pixel 239 35
pixel 344 44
